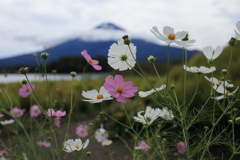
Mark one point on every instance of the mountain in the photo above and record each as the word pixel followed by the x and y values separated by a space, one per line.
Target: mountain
pixel 96 47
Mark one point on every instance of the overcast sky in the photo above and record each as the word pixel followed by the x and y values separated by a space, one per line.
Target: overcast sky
pixel 27 25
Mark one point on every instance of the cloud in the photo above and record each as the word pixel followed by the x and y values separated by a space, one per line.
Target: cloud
pixel 28 25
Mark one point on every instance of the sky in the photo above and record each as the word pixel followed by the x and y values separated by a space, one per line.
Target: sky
pixel 27 25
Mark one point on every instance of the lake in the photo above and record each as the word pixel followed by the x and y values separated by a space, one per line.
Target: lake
pixel 12 78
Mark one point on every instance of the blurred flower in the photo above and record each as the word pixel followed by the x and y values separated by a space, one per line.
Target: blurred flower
pixel 222 90
pixel 142 146
pixel 219 82
pixel 6 122
pixel 202 69
pixel 52 113
pixel 82 130
pixel 120 89
pixel 74 145
pixel 147 93
pixel 121 56
pixel 92 62
pixel 17 112
pixel 26 89
pixel 210 54
pixel 44 144
pixel 57 121
pixel 1 115
pixel 169 36
pixel 101 136
pixel 166 114
pixel 35 111
pixel 95 97
pixel 237 32
pixel 181 147
pixel 3 152
pixel 148 116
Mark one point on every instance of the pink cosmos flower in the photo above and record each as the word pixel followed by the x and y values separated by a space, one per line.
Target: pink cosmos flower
pixel 1 115
pixel 35 111
pixel 82 131
pixel 26 89
pixel 92 62
pixel 52 113
pixel 120 89
pixel 44 144
pixel 181 147
pixel 57 121
pixel 17 112
pixel 3 152
pixel 142 146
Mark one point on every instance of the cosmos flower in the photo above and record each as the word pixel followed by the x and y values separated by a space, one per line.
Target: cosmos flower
pixel 166 114
pixel 26 89
pixel 169 36
pixel 120 57
pixel 95 97
pixel 222 90
pixel 215 81
pixel 210 54
pixel 6 122
pixel 82 130
pixel 17 112
pixel 52 113
pixel 142 146
pixel 57 121
pixel 43 144
pixel 1 115
pixel 93 63
pixel 237 32
pixel 181 147
pixel 147 93
pixel 148 116
pixel 101 136
pixel 200 70
pixel 120 89
pixel 35 111
pixel 74 145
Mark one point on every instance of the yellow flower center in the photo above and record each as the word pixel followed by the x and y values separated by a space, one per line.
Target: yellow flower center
pixel 100 96
pixel 76 146
pixel 27 90
pixel 120 89
pixel 90 60
pixel 171 36
pixel 197 70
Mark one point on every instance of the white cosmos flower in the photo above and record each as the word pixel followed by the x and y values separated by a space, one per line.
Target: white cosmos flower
pixel 237 32
pixel 120 57
pixel 95 97
pixel 100 134
pixel 215 81
pixel 147 93
pixel 170 36
pixel 106 142
pixel 74 145
pixel 6 122
pixel 166 114
pixel 202 69
pixel 148 116
pixel 210 54
pixel 222 90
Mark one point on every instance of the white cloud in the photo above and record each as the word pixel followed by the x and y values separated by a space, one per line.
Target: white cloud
pixel 28 25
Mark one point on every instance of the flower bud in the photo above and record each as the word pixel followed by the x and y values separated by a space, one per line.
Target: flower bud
pixel 35 55
pixel 232 41
pixel 151 59
pixel 237 120
pixel 44 55
pixel 234 109
pixel 24 81
pixel 23 70
pixel 206 128
pixel 49 139
pixel 126 40
pixel 224 71
pixel 172 86
pixel 90 124
pixel 230 121
pixel 73 74
pixel 88 154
